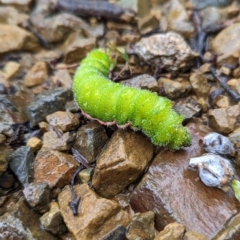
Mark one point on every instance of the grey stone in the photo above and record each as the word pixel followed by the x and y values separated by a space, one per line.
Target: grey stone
pixel 12 228
pixel 90 140
pixel 38 196
pixel 48 102
pixel 21 163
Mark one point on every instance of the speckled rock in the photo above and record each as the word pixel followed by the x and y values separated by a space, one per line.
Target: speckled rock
pixel 63 121
pixel 96 216
pixel 173 231
pixel 168 51
pixel 38 196
pixel 54 168
pixel 12 228
pixel 125 156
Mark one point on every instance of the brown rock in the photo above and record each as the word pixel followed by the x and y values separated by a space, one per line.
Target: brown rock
pixel 10 15
pixel 96 216
pixel 221 101
pixel 147 24
pixel 191 235
pixel 79 49
pixel 37 75
pixel 169 51
pixel 141 226
pixel 2 138
pixel 28 219
pixel 178 19
pixel 170 189
pixel 144 81
pixel 125 156
pixel 173 88
pixel 63 121
pixel 62 77
pixel 14 38
pixel 11 69
pixel 226 44
pixel 234 84
pixel 54 168
pixel 205 68
pixel 173 231
pixel 224 119
pixel 200 85
pixel 61 143
pixel 235 136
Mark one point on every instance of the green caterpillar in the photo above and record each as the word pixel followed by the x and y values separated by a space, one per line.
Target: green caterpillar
pixel 112 102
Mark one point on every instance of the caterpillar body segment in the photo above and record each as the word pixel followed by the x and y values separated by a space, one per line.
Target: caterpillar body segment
pixel 107 101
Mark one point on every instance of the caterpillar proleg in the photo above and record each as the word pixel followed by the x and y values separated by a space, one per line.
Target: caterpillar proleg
pixel 107 101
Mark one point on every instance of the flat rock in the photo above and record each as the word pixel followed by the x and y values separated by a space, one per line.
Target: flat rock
pixel 96 216
pixel 14 38
pixel 171 190
pixel 226 44
pixel 224 119
pixel 126 155
pixel 54 168
pixel 52 141
pixel 63 121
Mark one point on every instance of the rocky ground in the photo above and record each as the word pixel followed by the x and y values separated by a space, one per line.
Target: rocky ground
pixel 64 176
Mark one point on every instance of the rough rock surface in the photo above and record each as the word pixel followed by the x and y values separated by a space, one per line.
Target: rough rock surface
pixel 125 156
pixel 54 168
pixel 168 51
pixel 96 216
